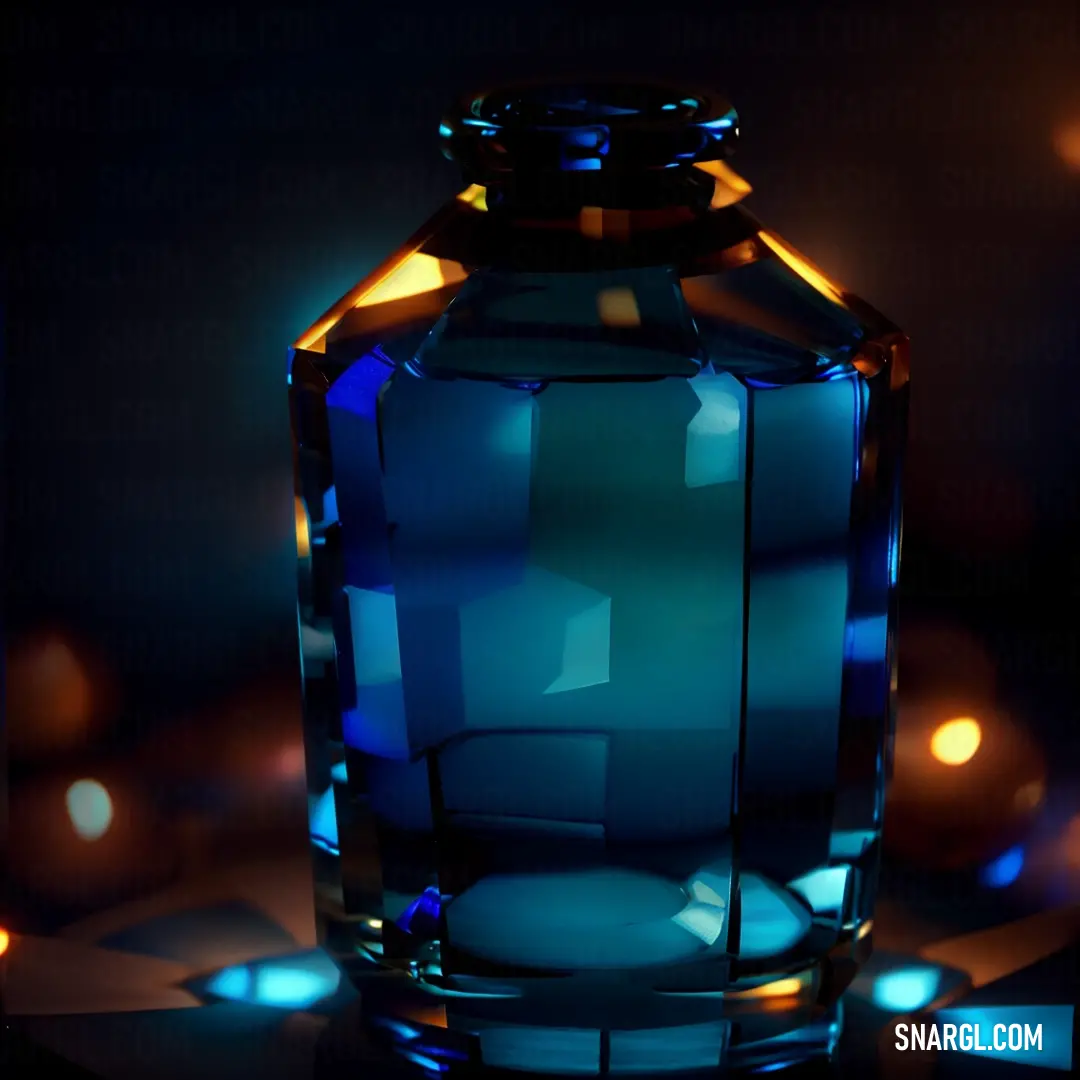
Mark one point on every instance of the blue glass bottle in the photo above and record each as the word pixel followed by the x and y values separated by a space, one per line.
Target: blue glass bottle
pixel 599 525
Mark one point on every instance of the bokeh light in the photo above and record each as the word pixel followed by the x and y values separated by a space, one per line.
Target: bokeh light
pixel 55 856
pixel 955 741
pixel 5 941
pixel 1030 796
pixel 290 761
pixel 1004 870
pixel 90 809
pixel 293 982
pixel 235 769
pixel 962 790
pixel 251 740
pixel 907 989
pixel 50 697
pixel 1071 844
pixel 1067 144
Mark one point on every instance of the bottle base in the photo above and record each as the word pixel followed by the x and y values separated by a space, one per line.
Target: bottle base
pixel 360 1038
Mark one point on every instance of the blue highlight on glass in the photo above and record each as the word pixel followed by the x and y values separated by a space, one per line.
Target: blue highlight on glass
pixel 425 908
pixel 322 822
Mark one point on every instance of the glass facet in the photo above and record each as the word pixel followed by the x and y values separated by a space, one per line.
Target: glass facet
pixel 599 523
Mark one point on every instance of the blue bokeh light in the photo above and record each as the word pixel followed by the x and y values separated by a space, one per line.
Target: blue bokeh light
pixel 233 983
pixel 1004 870
pixel 90 809
pixel 294 982
pixel 906 989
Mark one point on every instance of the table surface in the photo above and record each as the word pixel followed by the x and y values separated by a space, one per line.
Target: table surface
pixel 112 993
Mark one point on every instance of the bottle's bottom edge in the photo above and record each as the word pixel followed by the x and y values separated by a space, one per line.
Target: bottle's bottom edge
pixel 436 1031
pixel 515 1050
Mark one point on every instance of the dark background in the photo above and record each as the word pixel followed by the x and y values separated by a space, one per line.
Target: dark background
pixel 188 192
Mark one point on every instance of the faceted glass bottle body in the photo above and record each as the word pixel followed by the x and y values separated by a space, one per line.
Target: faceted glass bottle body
pixel 599 532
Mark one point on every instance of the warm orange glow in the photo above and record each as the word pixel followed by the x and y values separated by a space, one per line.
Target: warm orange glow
pixel 67 683
pixel 290 762
pixel 618 307
pixel 730 258
pixel 955 741
pixel 50 696
pixel 599 224
pixel 314 338
pixel 1067 144
pixel 475 196
pixel 740 254
pixel 5 941
pixel 303 529
pixel 1029 796
pixel 989 956
pixel 431 1016
pixel 1071 843
pixel 804 268
pixel 780 988
pixel 729 187
pixel 419 273
pixel 591 222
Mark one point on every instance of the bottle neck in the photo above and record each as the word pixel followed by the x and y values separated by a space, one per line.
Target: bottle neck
pixel 659 194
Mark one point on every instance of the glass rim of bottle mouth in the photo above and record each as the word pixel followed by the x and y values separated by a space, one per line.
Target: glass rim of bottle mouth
pixel 598 128
pixel 629 103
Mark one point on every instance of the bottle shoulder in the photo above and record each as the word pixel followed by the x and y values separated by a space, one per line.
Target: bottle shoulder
pixel 475 294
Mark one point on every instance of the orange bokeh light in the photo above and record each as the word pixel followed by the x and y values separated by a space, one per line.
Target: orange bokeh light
pixel 955 741
pixel 5 941
pixel 50 695
pixel 1071 843
pixel 1029 796
pixel 1067 144
pixel 290 762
